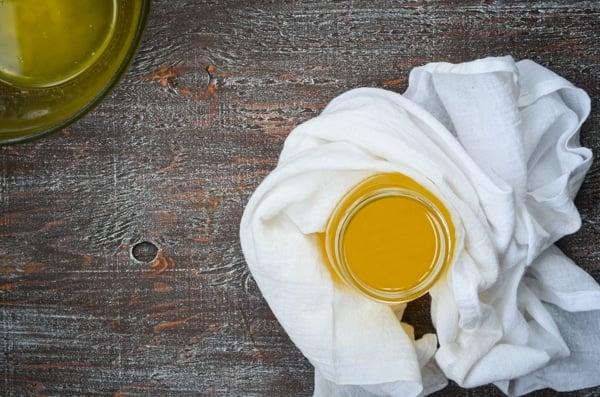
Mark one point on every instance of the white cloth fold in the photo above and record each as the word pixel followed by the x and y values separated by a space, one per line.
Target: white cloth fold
pixel 497 141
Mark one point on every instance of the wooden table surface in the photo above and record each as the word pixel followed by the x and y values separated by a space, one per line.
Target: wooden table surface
pixel 121 272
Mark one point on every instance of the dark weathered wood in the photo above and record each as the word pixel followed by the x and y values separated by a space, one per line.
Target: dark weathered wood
pixel 171 157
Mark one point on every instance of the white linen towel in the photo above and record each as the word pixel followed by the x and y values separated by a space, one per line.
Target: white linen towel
pixel 498 142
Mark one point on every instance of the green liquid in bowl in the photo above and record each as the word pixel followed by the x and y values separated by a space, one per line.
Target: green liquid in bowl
pixel 44 43
pixel 59 58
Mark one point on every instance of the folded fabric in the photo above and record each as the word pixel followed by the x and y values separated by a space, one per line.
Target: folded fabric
pixel 497 142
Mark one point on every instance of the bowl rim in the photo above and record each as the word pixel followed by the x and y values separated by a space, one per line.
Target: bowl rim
pixel 107 89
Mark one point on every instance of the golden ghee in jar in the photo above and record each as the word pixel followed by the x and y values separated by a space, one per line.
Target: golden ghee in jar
pixel 389 238
pixel 47 42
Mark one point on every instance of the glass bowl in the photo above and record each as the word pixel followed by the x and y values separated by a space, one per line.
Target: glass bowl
pixel 47 85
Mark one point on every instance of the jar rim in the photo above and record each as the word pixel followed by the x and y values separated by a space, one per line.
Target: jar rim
pixel 359 197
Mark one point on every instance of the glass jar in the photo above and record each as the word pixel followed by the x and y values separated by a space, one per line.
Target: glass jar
pixel 389 238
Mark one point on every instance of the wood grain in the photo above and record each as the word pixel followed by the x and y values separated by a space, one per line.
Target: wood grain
pixel 171 157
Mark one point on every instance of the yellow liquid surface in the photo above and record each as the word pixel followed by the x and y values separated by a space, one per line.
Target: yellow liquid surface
pixel 47 42
pixel 391 243
pixel 389 233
